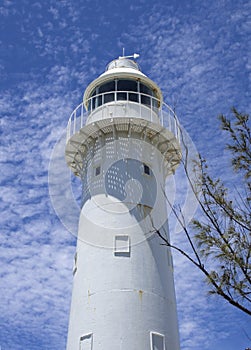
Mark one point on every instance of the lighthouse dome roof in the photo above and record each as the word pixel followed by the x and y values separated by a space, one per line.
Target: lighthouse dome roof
pixel 123 62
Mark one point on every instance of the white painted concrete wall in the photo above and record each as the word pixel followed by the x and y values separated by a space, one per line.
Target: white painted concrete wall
pixel 118 300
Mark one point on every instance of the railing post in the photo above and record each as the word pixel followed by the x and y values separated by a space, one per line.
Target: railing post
pixel 140 106
pixel 161 117
pixel 82 115
pixel 178 130
pixel 68 130
pixel 151 104
pixel 74 122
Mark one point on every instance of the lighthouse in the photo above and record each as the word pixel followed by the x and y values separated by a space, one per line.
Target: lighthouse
pixel 123 142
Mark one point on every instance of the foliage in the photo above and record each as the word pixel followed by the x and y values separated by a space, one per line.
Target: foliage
pixel 220 237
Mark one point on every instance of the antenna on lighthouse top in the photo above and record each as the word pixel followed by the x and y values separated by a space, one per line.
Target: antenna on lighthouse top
pixel 135 55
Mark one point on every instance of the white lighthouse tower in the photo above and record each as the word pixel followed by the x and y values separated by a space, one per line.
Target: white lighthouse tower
pixel 123 142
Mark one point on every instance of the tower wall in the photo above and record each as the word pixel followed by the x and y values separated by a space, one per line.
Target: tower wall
pixel 123 287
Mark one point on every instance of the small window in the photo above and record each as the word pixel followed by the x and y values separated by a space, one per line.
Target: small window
pixel 108 97
pixel 96 101
pixel 107 87
pixel 122 245
pixel 147 170
pixel 157 341
pixel 86 342
pixel 145 100
pixel 121 96
pixel 146 90
pixel 134 96
pixel 97 170
pixel 127 85
pixel 145 97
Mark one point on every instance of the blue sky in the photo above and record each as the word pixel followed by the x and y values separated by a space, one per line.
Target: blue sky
pixel 198 52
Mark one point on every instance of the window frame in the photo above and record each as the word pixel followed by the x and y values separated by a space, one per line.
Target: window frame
pixel 86 336
pixel 149 171
pixel 152 333
pixel 126 249
pixel 97 170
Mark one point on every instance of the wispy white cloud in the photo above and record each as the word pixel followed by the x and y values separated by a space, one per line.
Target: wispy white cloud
pixel 200 56
pixel 36 252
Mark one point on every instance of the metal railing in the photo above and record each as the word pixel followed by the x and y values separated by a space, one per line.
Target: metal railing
pixel 98 103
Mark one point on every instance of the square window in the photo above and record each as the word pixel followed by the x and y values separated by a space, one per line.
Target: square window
pixel 146 169
pixel 86 342
pixel 122 245
pixel 157 341
pixel 97 170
